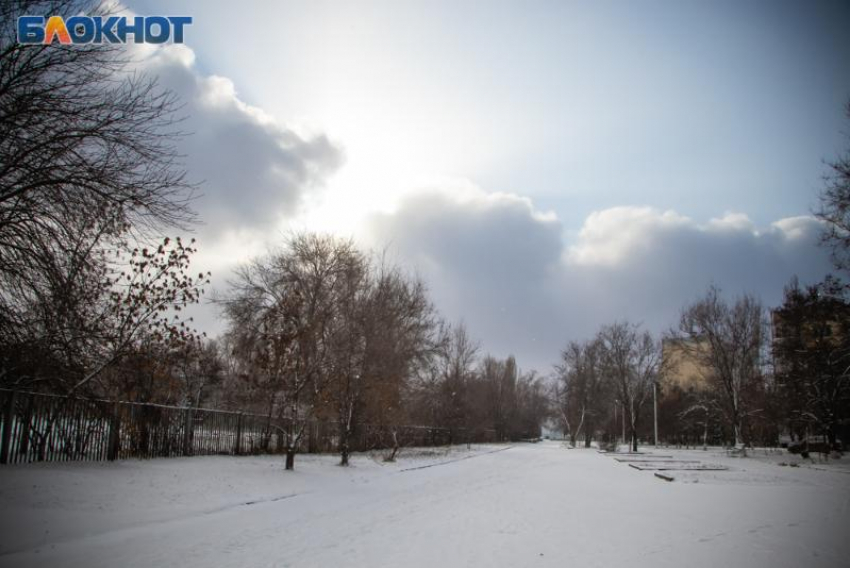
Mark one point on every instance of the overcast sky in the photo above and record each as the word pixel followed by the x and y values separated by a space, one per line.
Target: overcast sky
pixel 547 167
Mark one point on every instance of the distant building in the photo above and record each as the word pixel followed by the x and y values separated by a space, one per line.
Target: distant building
pixel 681 366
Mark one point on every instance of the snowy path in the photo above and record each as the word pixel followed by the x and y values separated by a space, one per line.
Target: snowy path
pixel 531 505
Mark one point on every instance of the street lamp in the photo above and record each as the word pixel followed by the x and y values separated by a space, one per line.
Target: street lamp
pixel 616 406
pixel 655 410
pixel 624 427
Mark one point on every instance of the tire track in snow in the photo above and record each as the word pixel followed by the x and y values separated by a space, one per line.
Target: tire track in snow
pixel 244 504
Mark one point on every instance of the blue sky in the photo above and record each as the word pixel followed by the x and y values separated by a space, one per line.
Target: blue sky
pixel 599 136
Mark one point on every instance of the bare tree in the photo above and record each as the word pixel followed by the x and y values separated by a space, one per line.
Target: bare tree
pixel 346 379
pixel 812 354
pixel 456 363
pixel 200 371
pixel 834 209
pixel 531 408
pixel 88 168
pixel 701 408
pixel 282 310
pixel 500 385
pixel 561 402
pixel 82 133
pixel 382 333
pixel 89 320
pixel 580 381
pixel 727 341
pixel 631 359
pixel 400 337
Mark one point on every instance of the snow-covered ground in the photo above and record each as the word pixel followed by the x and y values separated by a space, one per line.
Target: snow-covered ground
pixel 526 505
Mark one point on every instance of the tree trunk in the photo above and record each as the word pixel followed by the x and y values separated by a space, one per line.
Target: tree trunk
pixel 290 459
pixel 344 445
pixel 580 424
pixel 391 458
pixel 737 431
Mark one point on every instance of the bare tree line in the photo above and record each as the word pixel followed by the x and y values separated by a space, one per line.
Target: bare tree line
pixel 616 368
pixel 743 384
pixel 320 329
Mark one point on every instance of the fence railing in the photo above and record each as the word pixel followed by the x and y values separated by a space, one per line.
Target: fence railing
pixel 44 427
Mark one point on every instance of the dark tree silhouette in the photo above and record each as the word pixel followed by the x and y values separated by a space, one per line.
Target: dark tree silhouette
pixel 834 209
pixel 88 174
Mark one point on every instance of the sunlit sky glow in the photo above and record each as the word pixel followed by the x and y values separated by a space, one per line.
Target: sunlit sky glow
pixel 589 131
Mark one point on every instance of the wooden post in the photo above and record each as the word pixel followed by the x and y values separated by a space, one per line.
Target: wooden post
pixel 237 446
pixel 8 419
pixel 188 426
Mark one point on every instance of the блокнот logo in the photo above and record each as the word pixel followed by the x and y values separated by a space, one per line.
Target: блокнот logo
pixel 101 29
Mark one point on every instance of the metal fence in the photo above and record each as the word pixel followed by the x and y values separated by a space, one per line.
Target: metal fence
pixel 44 427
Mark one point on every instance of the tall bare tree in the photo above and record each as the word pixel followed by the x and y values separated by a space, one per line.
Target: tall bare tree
pixel 580 388
pixel 532 406
pixel 631 359
pixel 456 363
pixel 88 168
pixel 727 340
pixel 347 378
pixel 812 357
pixel 282 311
pixel 400 337
pixel 834 209
pixel 500 385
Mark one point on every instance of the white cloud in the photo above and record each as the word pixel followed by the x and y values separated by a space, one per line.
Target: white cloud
pixel 732 222
pixel 503 266
pixel 512 238
pixel 796 228
pixel 256 171
pixel 611 235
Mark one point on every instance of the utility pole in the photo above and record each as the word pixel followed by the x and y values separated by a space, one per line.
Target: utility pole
pixel 624 427
pixel 655 410
pixel 616 406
